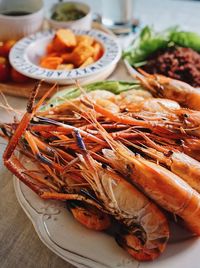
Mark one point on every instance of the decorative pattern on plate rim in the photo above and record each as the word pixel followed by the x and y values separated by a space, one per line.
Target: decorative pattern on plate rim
pixel 48 211
pixel 20 61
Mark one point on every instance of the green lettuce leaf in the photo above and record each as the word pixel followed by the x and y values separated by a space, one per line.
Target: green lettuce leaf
pixel 149 42
pixel 186 39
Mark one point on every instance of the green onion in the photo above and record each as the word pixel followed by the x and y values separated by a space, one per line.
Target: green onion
pixel 115 87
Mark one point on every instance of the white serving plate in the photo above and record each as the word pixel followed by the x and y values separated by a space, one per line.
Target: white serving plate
pixel 25 55
pixel 89 249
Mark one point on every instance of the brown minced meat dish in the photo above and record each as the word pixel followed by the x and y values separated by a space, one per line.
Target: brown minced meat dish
pixel 176 62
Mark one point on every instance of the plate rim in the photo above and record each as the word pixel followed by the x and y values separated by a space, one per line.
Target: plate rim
pixel 18 57
pixel 32 217
pixel 42 231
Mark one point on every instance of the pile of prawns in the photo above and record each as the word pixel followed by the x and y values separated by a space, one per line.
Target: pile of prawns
pixel 120 160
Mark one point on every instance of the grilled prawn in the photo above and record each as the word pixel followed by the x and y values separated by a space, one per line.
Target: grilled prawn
pixel 169 88
pixel 100 189
pixel 160 184
pixel 89 213
pixel 146 229
pixel 178 162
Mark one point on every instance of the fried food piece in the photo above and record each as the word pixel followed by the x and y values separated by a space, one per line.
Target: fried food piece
pixel 98 51
pixel 84 39
pixel 66 67
pixel 67 57
pixel 69 50
pixel 50 48
pixel 50 62
pixel 87 62
pixel 81 53
pixel 64 38
pixel 54 54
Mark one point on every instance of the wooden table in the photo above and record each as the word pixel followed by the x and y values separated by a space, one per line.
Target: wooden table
pixel 19 244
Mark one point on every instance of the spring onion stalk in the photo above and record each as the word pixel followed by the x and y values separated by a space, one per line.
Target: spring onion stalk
pixel 115 87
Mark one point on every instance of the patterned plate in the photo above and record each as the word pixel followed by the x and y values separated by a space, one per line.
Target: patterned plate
pixel 25 55
pixel 85 248
pixel 88 249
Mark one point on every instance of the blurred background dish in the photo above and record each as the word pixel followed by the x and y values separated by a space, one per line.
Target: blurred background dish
pixel 20 18
pixel 172 52
pixel 26 54
pixel 75 15
pixel 67 51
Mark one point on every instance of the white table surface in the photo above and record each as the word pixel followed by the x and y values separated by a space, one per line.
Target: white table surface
pixel 19 244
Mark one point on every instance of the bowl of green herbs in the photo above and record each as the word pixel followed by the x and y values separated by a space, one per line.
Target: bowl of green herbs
pixel 74 15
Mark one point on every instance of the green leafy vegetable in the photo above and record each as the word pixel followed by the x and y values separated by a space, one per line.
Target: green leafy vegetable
pixel 186 39
pixel 149 41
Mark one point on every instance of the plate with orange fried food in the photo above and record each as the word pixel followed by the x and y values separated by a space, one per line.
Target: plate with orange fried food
pixel 64 56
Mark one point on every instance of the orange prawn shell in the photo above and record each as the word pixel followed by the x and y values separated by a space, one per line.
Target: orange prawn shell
pixel 91 218
pixel 163 186
pixel 170 88
pixel 128 205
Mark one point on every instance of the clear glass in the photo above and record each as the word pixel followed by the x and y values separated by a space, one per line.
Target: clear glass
pixel 117 14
